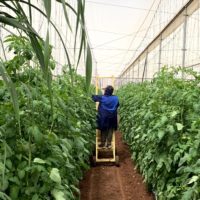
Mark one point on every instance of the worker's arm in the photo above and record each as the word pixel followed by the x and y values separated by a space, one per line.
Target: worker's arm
pixel 96 98
pixel 117 102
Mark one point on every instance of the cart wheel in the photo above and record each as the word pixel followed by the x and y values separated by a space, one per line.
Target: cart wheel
pixel 117 161
pixel 93 163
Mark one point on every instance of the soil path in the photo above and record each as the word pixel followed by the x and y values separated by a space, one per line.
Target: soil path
pixel 115 183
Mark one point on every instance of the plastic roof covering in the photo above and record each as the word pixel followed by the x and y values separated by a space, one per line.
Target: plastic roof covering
pixel 179 47
pixel 109 59
pixel 174 25
pixel 115 42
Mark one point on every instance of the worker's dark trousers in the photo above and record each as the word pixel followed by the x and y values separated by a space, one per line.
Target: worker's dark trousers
pixel 106 136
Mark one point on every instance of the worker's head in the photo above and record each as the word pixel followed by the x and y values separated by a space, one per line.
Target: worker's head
pixel 109 90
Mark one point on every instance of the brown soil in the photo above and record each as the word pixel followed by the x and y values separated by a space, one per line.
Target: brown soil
pixel 115 183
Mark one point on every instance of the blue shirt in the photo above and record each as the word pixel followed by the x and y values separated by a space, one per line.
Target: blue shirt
pixel 107 111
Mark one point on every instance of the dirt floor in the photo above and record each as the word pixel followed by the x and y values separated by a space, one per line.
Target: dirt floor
pixel 115 183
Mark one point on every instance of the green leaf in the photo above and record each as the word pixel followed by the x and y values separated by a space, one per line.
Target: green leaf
pixel 66 15
pixel 55 175
pixel 3 196
pixel 38 51
pixel 170 128
pixel 9 164
pixel 177 156
pixel 68 165
pixel 161 134
pixel 14 179
pixel 35 132
pixel 21 174
pixel 2 168
pixel 30 11
pixel 47 53
pixel 39 160
pixel 174 113
pixel 179 126
pixel 14 23
pixel 9 151
pixel 82 45
pixel 188 194
pixel 58 194
pixel 185 158
pixel 47 5
pixel 35 197
pixel 193 179
pixel 14 192
pixel 88 67
pixel 11 87
pixel 75 189
pixel 77 22
pixel 137 136
pixel 4 184
pixel 164 119
pixel 52 137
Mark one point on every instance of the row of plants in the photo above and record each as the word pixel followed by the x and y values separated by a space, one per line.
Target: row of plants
pixel 160 121
pixel 46 136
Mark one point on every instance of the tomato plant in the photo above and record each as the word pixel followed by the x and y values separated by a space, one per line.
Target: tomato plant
pixel 160 120
pixel 46 158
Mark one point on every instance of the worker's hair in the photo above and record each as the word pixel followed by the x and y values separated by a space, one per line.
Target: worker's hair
pixel 109 90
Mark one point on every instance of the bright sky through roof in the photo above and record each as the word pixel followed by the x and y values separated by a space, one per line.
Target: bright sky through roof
pixel 112 27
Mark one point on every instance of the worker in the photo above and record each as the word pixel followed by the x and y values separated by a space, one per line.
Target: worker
pixel 107 115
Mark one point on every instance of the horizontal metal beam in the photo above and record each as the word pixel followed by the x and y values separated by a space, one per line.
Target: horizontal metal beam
pixel 191 6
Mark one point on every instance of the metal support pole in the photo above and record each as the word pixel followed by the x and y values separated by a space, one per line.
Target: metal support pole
pixel 123 75
pixel 97 84
pixel 184 39
pixel 96 70
pixel 160 54
pixel 129 74
pixel 146 68
pixel 145 65
pixel 133 73
pixel 113 81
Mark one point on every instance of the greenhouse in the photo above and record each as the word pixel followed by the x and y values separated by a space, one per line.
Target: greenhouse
pixel 100 100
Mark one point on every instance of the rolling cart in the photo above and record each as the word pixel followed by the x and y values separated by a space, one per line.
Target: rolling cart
pixel 105 155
